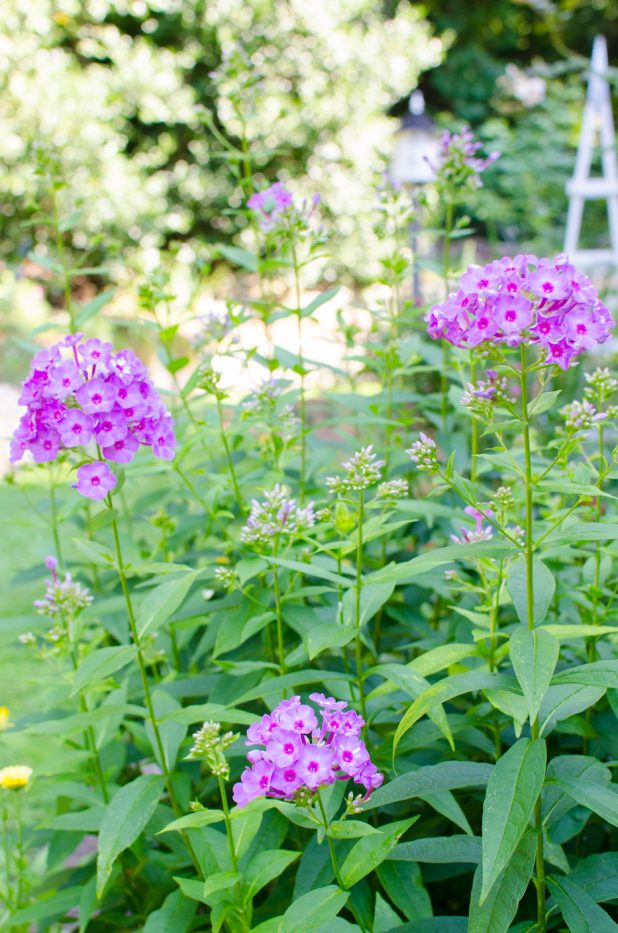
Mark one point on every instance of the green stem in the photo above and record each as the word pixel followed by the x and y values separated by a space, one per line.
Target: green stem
pixel 7 859
pixel 190 485
pixel 228 454
pixel 89 737
pixel 446 265
pixel 135 638
pixel 528 552
pixel 331 847
pixel 301 366
pixel 358 589
pixel 228 824
pixel 19 858
pixel 474 433
pixel 278 613
pixel 54 520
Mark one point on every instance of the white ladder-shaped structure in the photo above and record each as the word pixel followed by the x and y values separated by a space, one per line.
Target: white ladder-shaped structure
pixel 597 120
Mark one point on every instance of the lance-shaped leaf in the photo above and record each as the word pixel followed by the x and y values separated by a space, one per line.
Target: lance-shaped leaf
pixel 543 593
pixel 448 775
pixel 162 602
pixel 595 674
pixel 534 655
pixel 581 913
pixel 372 850
pixel 500 905
pixel 100 664
pixel 512 791
pixel 125 818
pixel 448 689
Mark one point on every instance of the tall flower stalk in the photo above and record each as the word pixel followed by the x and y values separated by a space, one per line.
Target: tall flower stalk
pixel 529 557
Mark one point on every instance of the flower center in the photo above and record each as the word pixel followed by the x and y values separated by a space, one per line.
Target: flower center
pixel 95 481
pixel 97 398
pixel 77 429
pixel 313 766
pixel 511 316
pixel 288 748
pixel 347 756
pixel 289 775
pixel 581 328
pixel 264 781
pixel 547 288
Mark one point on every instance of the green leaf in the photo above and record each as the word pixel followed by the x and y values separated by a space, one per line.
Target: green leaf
pixel 163 601
pixel 448 689
pixel 373 597
pixel 312 569
pixel 332 635
pixel 101 663
pixel 512 791
pixel 500 905
pixel 46 907
pixel 239 257
pixel 125 818
pixel 194 821
pixel 174 916
pixel 598 875
pixel 171 731
pixel 448 775
pixel 93 307
pixel 372 850
pixel 264 868
pixel 439 850
pixel 404 885
pixel 544 589
pixel 595 674
pixel 602 799
pixel 318 301
pixel 313 909
pixel 95 553
pixel 564 701
pixel 543 402
pixel 408 570
pixel 219 881
pixel 534 655
pixel 583 531
pixel 350 829
pixel 581 913
pixel 277 685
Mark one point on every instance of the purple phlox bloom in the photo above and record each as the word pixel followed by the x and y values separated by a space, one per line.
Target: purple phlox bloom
pixel 95 396
pixel 45 445
pixel 121 451
pixel 298 718
pixel 64 380
pixel 164 440
pixel 110 427
pixel 71 340
pixel 350 754
pixel 524 300
pixel 254 782
pixel 284 747
pixel 76 428
pixel 94 480
pixel 299 753
pixel 95 352
pixel 315 765
pixel 270 203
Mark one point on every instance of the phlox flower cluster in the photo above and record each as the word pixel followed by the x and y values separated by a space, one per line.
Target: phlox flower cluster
pixel 581 416
pixel 81 393
pixel 276 515
pixel 263 403
pixel 301 754
pixel 480 532
pixel 458 167
pixel 542 302
pixel 424 454
pixel 63 597
pixel 363 469
pixel 277 211
pixel 481 396
pixel 270 203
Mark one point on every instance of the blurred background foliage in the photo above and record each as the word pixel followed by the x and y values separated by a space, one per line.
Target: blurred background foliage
pixel 161 116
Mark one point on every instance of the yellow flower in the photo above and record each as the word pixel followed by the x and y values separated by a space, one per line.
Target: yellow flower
pixel 4 718
pixel 14 777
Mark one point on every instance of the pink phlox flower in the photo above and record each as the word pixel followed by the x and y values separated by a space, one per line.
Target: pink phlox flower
pixel 76 428
pixel 299 718
pixel 315 765
pixel 45 445
pixel 110 427
pixel 94 480
pixel 122 451
pixel 64 380
pixel 350 753
pixel 95 352
pixel 261 732
pixel 283 747
pixel 95 396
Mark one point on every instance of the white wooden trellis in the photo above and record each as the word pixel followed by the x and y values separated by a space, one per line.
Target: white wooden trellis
pixel 597 121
